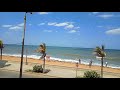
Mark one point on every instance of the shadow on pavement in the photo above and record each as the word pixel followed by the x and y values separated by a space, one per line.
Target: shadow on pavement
pixel 7 65
pixel 3 63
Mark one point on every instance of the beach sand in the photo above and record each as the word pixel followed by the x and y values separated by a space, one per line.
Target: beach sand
pixel 61 63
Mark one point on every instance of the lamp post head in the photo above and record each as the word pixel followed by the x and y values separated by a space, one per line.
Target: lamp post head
pixel 29 12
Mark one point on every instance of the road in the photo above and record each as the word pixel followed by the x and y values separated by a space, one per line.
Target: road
pixel 15 74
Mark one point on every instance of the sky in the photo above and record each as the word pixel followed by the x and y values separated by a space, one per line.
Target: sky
pixel 66 29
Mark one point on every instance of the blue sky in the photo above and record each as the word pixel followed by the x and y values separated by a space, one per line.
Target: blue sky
pixel 69 29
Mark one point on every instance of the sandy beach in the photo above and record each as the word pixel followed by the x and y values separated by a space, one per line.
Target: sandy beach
pixel 65 64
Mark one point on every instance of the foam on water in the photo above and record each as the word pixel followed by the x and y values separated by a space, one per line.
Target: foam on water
pixel 16 55
pixel 83 61
pixel 33 56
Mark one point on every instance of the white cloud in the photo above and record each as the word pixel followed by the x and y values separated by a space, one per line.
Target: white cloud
pixel 41 13
pixel 62 24
pixel 41 24
pixel 77 27
pixel 106 27
pixel 47 30
pixel 15 28
pixel 52 24
pixel 69 26
pixel 113 31
pixel 21 24
pixel 66 25
pixel 106 16
pixel 6 25
pixel 72 31
pixel 95 12
pixel 58 24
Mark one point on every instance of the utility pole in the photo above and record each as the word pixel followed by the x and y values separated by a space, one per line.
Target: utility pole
pixel 26 58
pixel 21 64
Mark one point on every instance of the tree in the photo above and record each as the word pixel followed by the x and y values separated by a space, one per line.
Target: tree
pixel 1 47
pixel 42 50
pixel 100 53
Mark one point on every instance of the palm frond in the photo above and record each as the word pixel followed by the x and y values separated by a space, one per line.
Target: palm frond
pixel 1 44
pixel 100 51
pixel 42 48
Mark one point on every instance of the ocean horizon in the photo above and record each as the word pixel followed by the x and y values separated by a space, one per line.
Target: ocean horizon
pixel 67 54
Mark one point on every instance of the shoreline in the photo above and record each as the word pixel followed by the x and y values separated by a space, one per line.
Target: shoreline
pixel 62 63
pixel 64 60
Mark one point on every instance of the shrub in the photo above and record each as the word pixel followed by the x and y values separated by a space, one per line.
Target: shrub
pixel 91 74
pixel 38 68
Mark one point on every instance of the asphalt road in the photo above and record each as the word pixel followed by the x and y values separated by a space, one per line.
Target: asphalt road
pixel 15 74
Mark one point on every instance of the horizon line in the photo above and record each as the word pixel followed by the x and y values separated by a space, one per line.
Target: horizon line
pixel 65 46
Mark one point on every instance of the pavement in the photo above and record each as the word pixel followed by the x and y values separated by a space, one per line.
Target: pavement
pixel 15 74
pixel 10 69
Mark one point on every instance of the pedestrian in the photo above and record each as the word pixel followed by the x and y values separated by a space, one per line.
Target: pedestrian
pixel 77 64
pixel 90 63
pixel 79 61
pixel 106 63
pixel 48 57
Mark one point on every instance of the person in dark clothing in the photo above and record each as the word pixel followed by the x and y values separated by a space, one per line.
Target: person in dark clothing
pixel 90 63
pixel 79 61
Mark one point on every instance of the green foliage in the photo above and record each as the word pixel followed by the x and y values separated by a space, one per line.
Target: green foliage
pixel 100 51
pixel 42 48
pixel 38 68
pixel 1 44
pixel 91 74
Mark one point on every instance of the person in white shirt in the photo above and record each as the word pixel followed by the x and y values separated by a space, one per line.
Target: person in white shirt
pixel 106 63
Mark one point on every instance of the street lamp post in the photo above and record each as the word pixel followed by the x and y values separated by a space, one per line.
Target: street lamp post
pixel 76 69
pixel 21 64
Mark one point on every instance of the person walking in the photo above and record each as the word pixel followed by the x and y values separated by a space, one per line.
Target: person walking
pixel 79 61
pixel 90 63
pixel 106 63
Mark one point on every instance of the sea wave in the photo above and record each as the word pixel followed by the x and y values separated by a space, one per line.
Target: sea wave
pixel 83 61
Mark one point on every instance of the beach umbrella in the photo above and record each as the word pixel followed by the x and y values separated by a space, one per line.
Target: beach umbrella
pixel 99 52
pixel 1 47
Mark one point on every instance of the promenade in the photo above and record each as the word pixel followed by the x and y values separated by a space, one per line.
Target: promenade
pixel 55 71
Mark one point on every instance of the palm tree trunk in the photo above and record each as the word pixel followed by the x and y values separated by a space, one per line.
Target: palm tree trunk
pixel 44 65
pixel 44 54
pixel 1 53
pixel 102 67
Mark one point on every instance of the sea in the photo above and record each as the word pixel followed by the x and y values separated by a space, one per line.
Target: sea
pixel 66 54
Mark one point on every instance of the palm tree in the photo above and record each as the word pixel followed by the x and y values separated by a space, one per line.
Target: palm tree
pixel 1 47
pixel 100 53
pixel 42 50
